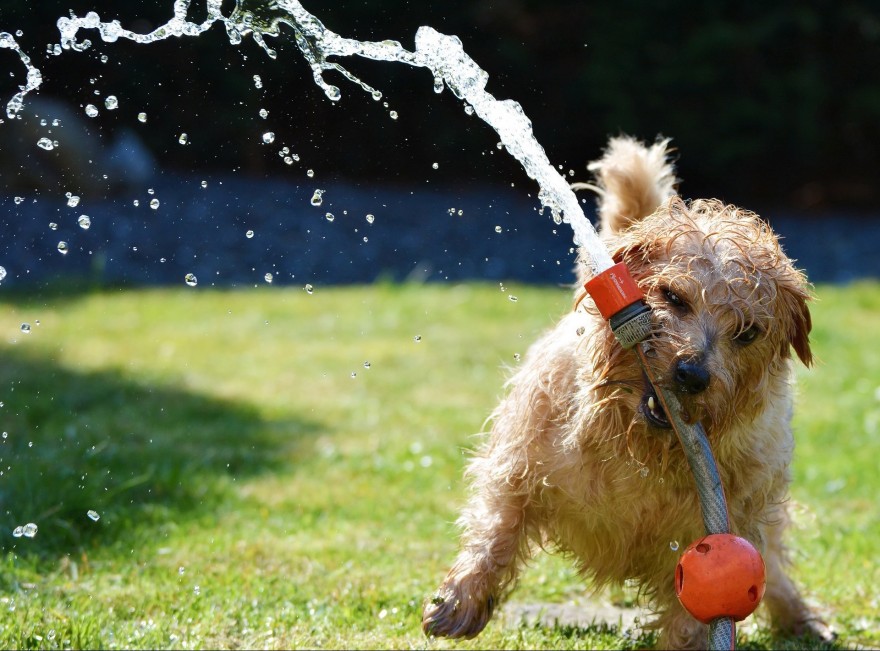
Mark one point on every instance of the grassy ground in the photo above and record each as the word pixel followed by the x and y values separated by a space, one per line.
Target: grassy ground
pixel 273 469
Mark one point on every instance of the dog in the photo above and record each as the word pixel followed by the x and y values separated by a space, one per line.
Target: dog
pixel 581 457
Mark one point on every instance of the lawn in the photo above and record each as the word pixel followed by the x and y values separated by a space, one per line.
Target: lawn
pixel 271 468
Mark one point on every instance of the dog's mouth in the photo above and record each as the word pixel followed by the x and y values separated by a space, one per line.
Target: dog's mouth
pixel 652 410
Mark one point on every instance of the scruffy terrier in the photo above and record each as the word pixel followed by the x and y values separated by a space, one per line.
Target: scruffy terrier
pixel 581 457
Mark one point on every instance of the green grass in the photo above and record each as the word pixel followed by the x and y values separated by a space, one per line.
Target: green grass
pixel 259 487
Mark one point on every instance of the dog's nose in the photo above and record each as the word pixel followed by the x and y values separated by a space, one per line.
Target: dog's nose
pixel 690 377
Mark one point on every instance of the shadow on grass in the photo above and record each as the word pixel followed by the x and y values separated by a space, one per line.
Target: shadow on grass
pixel 138 456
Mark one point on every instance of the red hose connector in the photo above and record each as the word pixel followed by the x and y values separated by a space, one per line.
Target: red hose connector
pixel 621 301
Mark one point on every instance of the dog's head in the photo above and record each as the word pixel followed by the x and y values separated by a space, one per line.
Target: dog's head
pixel 729 307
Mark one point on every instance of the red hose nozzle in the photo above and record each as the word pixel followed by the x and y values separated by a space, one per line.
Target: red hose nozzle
pixel 621 301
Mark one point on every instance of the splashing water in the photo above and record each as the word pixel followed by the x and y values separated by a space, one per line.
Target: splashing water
pixel 443 55
pixel 33 78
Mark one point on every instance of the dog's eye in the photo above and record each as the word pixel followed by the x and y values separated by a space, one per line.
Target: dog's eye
pixel 674 298
pixel 748 335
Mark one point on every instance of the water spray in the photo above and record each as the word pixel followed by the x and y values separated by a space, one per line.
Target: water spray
pixel 720 578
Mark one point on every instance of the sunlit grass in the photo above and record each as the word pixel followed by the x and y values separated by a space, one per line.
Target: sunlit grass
pixel 277 469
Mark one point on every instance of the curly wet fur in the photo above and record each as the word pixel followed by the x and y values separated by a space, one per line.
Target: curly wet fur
pixel 572 463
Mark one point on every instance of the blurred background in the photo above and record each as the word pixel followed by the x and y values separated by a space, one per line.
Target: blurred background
pixel 775 108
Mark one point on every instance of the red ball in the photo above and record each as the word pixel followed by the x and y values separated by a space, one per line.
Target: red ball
pixel 720 575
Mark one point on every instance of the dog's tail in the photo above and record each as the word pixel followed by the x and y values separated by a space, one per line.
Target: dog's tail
pixel 632 180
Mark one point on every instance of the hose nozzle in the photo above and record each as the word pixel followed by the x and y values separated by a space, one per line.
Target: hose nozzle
pixel 621 303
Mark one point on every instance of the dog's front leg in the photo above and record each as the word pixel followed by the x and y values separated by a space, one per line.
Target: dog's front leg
pixel 506 478
pixel 789 613
pixel 492 542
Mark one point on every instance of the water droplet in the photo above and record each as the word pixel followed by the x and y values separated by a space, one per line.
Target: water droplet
pixel 50 635
pixel 151 191
pixel 436 166
pixel 84 222
pixel 309 289
pixel 183 139
pixel 371 219
pixel 258 83
pixel 269 137
pixel 53 226
pixel 62 247
pixel 318 198
pixel 249 234
pixel 197 590
pixel 673 545
pixel 288 160
pixel 512 298
pixel 468 109
pixel 438 84
pixel 18 200
pixel 517 357
pixel 264 113
pixel 142 117
pixel 498 229
pixel 353 375
pixel 26 328
pixel 643 471
pixel 330 217
pixel 29 530
pixel 417 338
pixel 136 203
pixel 392 115
pixel 91 110
pixel 580 331
pixel 268 278
pixel 111 102
pixel 2 273
pixel 191 280
pixel 93 515
pixel 383 614
pixel 310 173
pixel 18 532
pixel 46 144
pixel 367 365
pixel 376 95
pixel 154 204
pixel 73 201
pixel 181 570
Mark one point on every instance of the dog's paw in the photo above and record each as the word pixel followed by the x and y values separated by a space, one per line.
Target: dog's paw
pixel 815 628
pixel 452 613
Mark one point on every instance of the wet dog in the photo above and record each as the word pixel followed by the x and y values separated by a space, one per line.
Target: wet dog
pixel 581 457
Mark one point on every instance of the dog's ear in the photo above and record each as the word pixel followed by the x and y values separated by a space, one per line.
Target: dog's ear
pixel 794 296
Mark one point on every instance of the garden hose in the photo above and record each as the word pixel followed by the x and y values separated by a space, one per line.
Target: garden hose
pixel 621 302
